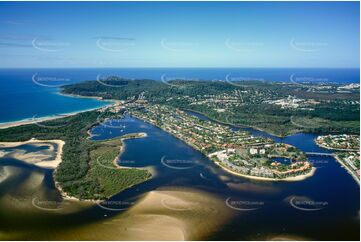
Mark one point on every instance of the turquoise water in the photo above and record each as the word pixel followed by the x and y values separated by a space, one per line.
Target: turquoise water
pixel 21 98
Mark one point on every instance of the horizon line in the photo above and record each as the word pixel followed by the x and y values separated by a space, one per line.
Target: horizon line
pixel 179 67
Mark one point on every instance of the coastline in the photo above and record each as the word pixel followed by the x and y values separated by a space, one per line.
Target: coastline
pixel 288 179
pixel 11 124
pixel 5 125
pixel 53 164
pixel 79 96
pixel 66 196
pixel 88 97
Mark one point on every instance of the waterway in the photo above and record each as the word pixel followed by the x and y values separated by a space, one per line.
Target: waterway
pixel 322 207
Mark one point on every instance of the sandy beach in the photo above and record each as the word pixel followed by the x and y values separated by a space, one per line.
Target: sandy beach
pixel 37 160
pixel 42 119
pixel 80 96
pixel 90 97
pixel 32 121
pixel 167 214
pixel 53 117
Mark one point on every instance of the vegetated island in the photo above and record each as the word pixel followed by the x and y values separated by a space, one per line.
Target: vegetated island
pixel 88 170
pixel 347 149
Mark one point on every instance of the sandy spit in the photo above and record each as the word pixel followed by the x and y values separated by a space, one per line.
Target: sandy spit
pixel 52 164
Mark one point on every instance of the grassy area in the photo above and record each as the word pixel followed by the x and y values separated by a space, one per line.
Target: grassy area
pixel 112 179
pixel 320 125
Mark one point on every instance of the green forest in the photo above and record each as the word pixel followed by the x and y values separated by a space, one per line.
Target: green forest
pixel 78 174
pixel 335 113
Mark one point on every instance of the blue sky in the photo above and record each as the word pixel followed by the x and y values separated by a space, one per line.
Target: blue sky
pixel 180 34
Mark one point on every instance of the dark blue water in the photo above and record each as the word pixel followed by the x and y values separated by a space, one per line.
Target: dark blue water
pixel 335 217
pixel 21 97
pixel 332 190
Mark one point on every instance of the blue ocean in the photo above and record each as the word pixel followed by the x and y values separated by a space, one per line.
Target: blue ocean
pixel 29 93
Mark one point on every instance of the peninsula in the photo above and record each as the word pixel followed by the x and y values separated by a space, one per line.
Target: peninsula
pixel 237 152
pixel 86 170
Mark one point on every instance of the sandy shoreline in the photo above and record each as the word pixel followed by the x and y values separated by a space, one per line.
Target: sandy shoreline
pixel 66 196
pixel 290 179
pixel 45 164
pixel 122 149
pixel 79 96
pixel 89 97
pixel 53 117
pixel 42 119
pixel 164 214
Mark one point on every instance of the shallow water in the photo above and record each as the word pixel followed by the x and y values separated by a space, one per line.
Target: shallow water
pixel 309 209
